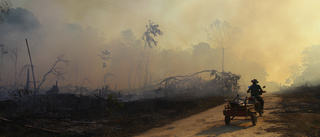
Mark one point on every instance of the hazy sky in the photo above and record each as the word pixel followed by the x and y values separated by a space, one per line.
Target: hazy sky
pixel 273 32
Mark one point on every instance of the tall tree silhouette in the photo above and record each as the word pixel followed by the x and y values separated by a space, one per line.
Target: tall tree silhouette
pixel 143 64
pixel 151 32
pixel 222 34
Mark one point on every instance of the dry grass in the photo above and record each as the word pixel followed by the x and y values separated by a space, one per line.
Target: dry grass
pixel 299 114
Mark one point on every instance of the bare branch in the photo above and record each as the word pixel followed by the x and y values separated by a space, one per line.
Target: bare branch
pixel 55 71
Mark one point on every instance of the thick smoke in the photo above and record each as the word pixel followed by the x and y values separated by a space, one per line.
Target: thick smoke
pixel 308 73
pixel 82 29
pixel 19 19
pixel 16 23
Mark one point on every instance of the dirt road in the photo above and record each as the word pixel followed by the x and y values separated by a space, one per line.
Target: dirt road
pixel 211 123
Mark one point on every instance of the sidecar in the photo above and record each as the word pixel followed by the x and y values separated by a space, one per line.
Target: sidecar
pixel 239 108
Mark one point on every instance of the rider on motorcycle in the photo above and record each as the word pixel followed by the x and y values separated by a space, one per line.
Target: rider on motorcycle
pixel 255 91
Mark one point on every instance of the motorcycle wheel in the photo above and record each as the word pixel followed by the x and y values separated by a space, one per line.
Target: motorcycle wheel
pixel 258 109
pixel 260 112
pixel 227 120
pixel 254 119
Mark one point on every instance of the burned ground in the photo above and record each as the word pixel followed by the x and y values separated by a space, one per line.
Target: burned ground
pixel 80 116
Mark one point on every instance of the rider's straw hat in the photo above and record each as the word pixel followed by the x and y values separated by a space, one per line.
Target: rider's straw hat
pixel 254 81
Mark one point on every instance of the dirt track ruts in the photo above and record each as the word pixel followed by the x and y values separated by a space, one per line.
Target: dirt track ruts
pixel 211 123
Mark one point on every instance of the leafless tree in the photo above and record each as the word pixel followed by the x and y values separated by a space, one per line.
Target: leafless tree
pixel 57 72
pixel 222 33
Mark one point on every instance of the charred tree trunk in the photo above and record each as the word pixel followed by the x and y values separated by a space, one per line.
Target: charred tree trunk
pixel 27 82
pixel 34 79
